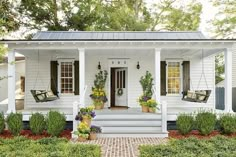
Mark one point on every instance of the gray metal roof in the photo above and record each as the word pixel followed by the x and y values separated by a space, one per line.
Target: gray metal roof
pixel 99 36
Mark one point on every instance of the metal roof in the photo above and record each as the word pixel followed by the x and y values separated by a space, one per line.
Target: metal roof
pixel 99 36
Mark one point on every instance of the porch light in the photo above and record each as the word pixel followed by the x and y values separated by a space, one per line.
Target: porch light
pixel 99 66
pixel 138 66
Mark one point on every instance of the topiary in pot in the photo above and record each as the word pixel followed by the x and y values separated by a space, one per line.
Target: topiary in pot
pixel 184 123
pixel 2 122
pixel 37 123
pixel 14 122
pixel 205 122
pixel 55 122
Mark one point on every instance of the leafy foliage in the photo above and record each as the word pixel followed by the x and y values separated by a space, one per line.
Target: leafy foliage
pixel 14 123
pixel 55 123
pixel 216 146
pixel 184 123
pixel 228 123
pixel 37 123
pixel 219 67
pixel 95 129
pixel 2 122
pixel 21 146
pixel 225 20
pixel 147 83
pixel 205 122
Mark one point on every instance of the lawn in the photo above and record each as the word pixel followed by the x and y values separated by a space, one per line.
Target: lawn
pixel 190 147
pixel 56 147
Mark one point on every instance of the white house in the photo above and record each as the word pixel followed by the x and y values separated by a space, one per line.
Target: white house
pixel 67 62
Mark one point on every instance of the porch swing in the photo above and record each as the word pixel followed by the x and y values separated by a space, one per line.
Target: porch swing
pixel 42 95
pixel 198 96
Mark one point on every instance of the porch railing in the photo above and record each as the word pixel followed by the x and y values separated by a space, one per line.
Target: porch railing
pixel 76 106
pixel 163 106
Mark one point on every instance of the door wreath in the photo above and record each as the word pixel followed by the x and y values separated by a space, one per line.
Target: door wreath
pixel 120 92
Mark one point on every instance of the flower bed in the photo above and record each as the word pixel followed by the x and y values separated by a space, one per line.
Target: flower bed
pixel 195 133
pixel 28 134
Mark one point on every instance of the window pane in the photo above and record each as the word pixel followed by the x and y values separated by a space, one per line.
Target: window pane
pixel 173 77
pixel 66 77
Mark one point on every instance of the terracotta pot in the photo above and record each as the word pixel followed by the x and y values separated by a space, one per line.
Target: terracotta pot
pixel 144 109
pixel 103 105
pixel 98 107
pixel 152 110
pixel 92 136
pixel 81 139
pixel 87 120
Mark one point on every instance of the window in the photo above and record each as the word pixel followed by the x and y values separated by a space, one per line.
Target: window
pixel 66 77
pixel 173 78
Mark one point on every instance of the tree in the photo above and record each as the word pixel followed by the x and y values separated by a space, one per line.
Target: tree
pixel 224 23
pixel 170 16
pixel 219 68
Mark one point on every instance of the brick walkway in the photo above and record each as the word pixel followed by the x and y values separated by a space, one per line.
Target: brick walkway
pixel 123 147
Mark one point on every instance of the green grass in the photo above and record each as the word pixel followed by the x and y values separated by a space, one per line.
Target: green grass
pixel 47 147
pixel 192 147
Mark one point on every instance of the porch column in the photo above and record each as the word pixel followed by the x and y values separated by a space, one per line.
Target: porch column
pixel 82 75
pixel 228 80
pixel 11 82
pixel 157 74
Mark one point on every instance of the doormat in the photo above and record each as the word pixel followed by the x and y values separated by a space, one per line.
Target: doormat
pixel 119 108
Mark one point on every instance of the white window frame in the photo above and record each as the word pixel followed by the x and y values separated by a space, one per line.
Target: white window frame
pixel 59 75
pixel 181 77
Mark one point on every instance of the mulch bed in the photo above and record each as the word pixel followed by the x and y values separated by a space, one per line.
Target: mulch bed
pixel 27 133
pixel 175 134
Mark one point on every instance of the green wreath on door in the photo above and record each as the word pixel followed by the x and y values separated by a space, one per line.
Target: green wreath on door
pixel 120 92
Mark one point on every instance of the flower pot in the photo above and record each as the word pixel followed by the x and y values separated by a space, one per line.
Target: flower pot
pixel 103 105
pixel 92 136
pixel 87 120
pixel 152 110
pixel 98 107
pixel 81 139
pixel 144 109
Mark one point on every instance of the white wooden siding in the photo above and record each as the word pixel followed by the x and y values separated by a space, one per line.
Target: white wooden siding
pixel 92 57
pixel 234 68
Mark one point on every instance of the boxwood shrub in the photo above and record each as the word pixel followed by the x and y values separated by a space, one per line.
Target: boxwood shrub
pixel 205 122
pixel 2 122
pixel 184 123
pixel 227 123
pixel 14 123
pixel 55 123
pixel 37 123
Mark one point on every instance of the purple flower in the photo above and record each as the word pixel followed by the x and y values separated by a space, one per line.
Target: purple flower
pixel 92 114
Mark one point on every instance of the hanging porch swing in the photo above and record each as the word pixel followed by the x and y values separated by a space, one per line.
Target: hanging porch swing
pixel 42 95
pixel 198 96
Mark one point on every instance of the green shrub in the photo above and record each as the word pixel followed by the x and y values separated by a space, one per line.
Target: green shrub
pixel 192 147
pixel 184 123
pixel 14 122
pixel 47 147
pixel 37 123
pixel 205 122
pixel 2 122
pixel 55 123
pixel 228 123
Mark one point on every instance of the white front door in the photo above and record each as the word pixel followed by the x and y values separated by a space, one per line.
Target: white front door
pixel 121 87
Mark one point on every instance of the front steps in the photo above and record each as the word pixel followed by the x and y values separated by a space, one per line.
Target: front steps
pixel 118 124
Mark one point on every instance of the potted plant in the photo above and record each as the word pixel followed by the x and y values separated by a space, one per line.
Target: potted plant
pixel 146 83
pixel 143 103
pixel 83 132
pixel 98 92
pixel 86 114
pixel 94 130
pixel 152 105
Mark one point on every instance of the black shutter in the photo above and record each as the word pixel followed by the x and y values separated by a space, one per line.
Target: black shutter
pixel 76 81
pixel 186 76
pixel 163 77
pixel 54 79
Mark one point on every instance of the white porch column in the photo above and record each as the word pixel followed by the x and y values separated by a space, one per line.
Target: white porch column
pixel 157 74
pixel 82 75
pixel 11 82
pixel 228 80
